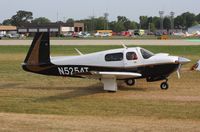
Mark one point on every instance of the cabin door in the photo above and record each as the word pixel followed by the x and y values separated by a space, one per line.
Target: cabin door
pixel 130 58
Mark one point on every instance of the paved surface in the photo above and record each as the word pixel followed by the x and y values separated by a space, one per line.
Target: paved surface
pixel 105 42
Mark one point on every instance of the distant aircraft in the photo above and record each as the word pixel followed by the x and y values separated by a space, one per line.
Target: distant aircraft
pixel 196 34
pixel 108 66
pixel 196 66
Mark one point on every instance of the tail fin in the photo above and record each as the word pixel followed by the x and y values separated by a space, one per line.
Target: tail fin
pixel 39 52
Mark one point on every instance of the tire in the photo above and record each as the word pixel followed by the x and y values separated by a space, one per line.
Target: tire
pixel 130 82
pixel 164 86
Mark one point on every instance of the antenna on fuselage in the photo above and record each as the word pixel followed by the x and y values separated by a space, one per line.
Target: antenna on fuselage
pixel 124 45
pixel 78 51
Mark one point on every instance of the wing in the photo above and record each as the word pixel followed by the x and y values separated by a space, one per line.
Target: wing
pixel 117 75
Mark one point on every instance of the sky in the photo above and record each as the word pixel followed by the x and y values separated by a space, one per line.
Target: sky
pixel 81 9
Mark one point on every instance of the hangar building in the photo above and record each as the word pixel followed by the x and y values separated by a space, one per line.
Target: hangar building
pixel 55 28
pixel 8 29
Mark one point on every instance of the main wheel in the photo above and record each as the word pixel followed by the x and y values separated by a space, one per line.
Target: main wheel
pixel 164 86
pixel 130 82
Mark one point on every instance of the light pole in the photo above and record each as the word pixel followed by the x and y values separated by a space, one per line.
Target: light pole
pixel 161 13
pixel 172 19
pixel 106 21
pixel 149 27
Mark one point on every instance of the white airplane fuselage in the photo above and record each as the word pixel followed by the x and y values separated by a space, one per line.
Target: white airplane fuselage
pixel 78 65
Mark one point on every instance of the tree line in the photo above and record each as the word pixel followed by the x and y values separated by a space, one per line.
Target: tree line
pixel 122 23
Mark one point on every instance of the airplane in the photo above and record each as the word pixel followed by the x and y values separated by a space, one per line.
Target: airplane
pixel 196 67
pixel 195 34
pixel 126 64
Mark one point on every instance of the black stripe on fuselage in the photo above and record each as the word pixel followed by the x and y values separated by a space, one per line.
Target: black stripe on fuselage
pixel 151 72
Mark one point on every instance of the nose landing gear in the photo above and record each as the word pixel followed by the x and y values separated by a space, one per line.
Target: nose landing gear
pixel 164 85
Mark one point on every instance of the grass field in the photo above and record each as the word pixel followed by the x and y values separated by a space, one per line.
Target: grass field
pixel 30 102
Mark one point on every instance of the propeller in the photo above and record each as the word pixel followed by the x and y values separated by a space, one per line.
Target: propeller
pixel 178 71
pixel 181 61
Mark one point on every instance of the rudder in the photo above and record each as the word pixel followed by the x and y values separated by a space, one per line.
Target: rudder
pixel 39 52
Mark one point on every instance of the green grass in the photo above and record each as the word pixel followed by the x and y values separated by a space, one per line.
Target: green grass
pixel 68 50
pixel 22 92
pixel 63 105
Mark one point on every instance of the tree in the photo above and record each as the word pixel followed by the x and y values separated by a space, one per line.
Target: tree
pixel 156 22
pixel 119 26
pixel 125 24
pixel 198 18
pixel 112 25
pixel 178 22
pixel 195 23
pixel 41 20
pixel 133 25
pixel 167 23
pixel 7 22
pixel 122 19
pixel 100 23
pixel 21 18
pixel 189 19
pixel 185 20
pixel 144 22
pixel 93 23
pixel 70 22
pixel 152 27
pixel 150 19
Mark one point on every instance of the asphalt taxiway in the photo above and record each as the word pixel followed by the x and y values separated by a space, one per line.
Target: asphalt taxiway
pixel 105 42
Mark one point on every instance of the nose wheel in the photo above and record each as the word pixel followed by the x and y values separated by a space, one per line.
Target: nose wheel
pixel 164 85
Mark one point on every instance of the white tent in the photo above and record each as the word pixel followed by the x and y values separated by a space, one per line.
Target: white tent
pixel 194 29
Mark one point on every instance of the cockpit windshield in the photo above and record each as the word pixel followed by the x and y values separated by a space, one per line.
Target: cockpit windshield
pixel 146 54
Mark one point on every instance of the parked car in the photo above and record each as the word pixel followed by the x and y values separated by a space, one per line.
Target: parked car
pixel 150 33
pixel 158 34
pixel 1 36
pixel 97 34
pixel 68 34
pixel 75 35
pixel 139 32
pixel 86 34
pixel 12 35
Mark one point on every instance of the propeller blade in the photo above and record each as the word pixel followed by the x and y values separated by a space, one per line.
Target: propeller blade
pixel 178 71
pixel 178 74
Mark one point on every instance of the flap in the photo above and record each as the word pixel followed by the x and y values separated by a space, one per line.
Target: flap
pixel 118 75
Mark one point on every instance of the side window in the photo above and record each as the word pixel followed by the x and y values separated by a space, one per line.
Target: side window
pixel 131 56
pixel 114 57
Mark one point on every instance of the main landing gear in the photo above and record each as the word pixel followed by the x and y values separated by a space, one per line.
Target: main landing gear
pixel 130 82
pixel 164 85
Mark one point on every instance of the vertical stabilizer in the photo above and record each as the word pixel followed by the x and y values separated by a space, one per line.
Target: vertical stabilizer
pixel 39 52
